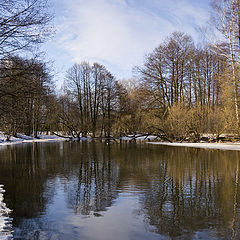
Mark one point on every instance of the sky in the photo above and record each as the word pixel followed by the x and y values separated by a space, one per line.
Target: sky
pixel 118 33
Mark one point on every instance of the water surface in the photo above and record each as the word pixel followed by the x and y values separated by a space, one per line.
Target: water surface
pixel 95 191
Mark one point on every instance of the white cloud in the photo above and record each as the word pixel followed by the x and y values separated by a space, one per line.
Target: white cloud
pixel 118 33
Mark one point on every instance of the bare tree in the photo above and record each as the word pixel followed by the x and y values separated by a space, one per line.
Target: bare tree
pixel 24 86
pixel 91 88
pixel 226 20
pixel 23 23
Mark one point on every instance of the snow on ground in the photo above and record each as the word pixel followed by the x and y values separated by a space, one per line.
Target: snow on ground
pixel 5 221
pixel 138 137
pixel 221 146
pixel 150 137
pixel 125 138
pixel 21 138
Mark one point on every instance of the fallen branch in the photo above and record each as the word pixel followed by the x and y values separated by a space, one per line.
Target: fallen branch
pixel 61 135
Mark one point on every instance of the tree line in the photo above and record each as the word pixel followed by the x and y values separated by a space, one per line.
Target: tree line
pixel 181 91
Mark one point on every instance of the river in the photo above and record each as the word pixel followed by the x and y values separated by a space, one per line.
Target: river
pixel 97 191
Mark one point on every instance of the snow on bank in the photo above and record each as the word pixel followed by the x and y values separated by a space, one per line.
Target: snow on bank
pixel 28 139
pixel 138 137
pixel 21 138
pixel 5 221
pixel 221 146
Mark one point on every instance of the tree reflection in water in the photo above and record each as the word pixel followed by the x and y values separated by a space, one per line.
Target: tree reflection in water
pixel 194 191
pixel 181 193
pixel 93 188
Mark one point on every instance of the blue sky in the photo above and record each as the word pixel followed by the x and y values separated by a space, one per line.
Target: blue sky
pixel 118 33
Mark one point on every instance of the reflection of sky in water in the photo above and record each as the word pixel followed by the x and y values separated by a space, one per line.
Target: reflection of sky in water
pixel 120 221
pixel 97 192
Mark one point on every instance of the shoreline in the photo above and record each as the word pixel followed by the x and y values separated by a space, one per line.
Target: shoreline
pixel 5 220
pixel 31 141
pixel 51 138
pixel 219 146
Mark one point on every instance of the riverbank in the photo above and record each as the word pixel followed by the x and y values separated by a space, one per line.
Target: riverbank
pixel 220 146
pixel 5 221
pixel 28 139
pixel 52 138
pixel 21 138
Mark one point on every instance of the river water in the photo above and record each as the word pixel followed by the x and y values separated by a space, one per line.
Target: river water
pixel 96 191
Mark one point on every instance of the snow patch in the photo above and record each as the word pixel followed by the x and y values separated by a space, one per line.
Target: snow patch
pixel 138 137
pixel 21 138
pixel 5 221
pixel 220 146
pixel 126 138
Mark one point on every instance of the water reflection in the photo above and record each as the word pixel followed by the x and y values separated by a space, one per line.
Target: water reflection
pixel 195 192
pixel 93 186
pixel 97 191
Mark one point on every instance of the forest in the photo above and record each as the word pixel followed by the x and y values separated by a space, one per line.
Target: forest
pixel 182 91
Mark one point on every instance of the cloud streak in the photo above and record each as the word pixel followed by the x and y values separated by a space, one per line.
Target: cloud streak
pixel 118 33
